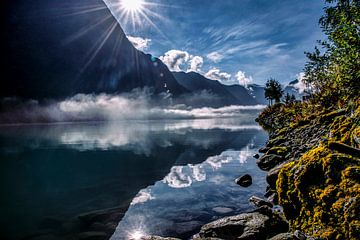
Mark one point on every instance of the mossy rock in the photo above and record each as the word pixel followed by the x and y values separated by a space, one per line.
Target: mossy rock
pixel 320 194
pixel 282 151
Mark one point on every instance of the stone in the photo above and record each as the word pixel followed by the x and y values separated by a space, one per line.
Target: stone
pixel 246 226
pixel 258 202
pixel 300 235
pixel 222 210
pixel 263 149
pixel 256 156
pixel 269 161
pixel 272 175
pixel 284 236
pixel 158 238
pixel 244 181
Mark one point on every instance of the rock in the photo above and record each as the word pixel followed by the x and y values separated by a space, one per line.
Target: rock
pixel 273 198
pixel 300 235
pixel 222 210
pixel 263 149
pixel 244 181
pixel 158 238
pixel 93 236
pixel 256 156
pixel 272 175
pixel 255 225
pixel 269 192
pixel 284 236
pixel 269 161
pixel 258 202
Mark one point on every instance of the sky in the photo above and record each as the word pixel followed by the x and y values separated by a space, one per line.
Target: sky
pixel 234 41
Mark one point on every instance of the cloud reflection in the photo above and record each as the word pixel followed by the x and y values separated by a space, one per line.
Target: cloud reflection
pixel 185 176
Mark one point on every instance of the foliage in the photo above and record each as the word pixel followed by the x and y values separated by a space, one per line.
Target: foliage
pixel 273 90
pixel 335 72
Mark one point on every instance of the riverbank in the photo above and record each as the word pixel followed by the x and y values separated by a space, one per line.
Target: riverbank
pixel 313 163
pixel 313 159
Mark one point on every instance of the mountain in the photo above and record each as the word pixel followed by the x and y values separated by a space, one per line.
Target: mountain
pixel 223 95
pixel 54 49
pixel 293 88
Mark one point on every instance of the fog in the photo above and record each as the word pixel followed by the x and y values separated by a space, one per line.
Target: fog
pixel 137 105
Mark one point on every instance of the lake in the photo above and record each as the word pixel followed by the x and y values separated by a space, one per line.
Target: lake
pixel 141 177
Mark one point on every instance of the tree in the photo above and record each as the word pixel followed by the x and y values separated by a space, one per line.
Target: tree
pixel 287 98
pixel 293 98
pixel 273 91
pixel 335 71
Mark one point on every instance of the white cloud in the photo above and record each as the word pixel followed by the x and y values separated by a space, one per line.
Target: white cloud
pixel 195 64
pixel 242 79
pixel 140 43
pixel 215 57
pixel 175 59
pixel 216 74
pixel 301 85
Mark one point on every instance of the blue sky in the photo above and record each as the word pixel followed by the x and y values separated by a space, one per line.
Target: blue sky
pixel 228 40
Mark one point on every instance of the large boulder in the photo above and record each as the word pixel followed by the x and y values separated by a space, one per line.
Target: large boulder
pixel 255 225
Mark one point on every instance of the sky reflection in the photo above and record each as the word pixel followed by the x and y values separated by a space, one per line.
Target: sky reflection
pixel 193 194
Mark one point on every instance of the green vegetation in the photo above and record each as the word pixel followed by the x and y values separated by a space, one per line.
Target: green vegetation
pixel 335 72
pixel 273 91
pixel 319 189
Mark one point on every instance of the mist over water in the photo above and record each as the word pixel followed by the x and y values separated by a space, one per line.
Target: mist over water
pixel 137 105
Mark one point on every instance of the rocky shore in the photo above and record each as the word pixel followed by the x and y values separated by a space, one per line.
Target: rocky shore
pixel 313 163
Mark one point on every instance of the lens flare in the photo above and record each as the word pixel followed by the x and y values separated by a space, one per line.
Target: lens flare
pixel 137 235
pixel 132 5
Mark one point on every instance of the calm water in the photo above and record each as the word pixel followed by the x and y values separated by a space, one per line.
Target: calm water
pixel 173 175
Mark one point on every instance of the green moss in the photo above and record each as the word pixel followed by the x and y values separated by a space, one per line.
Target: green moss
pixel 320 194
pixel 278 151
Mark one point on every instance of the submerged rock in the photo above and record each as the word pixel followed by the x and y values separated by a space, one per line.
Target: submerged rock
pixel 256 156
pixel 244 181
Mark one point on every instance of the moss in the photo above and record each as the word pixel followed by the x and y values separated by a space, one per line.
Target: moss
pixel 342 129
pixel 278 151
pixel 320 194
pixel 320 191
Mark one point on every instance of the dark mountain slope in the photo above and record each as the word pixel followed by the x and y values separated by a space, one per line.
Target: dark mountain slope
pixel 228 95
pixel 53 49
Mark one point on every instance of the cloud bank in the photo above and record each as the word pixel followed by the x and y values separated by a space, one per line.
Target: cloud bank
pixel 106 107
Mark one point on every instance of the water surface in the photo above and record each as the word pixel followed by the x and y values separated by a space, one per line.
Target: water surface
pixel 173 175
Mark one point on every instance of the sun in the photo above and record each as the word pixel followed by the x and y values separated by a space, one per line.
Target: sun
pixel 132 5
